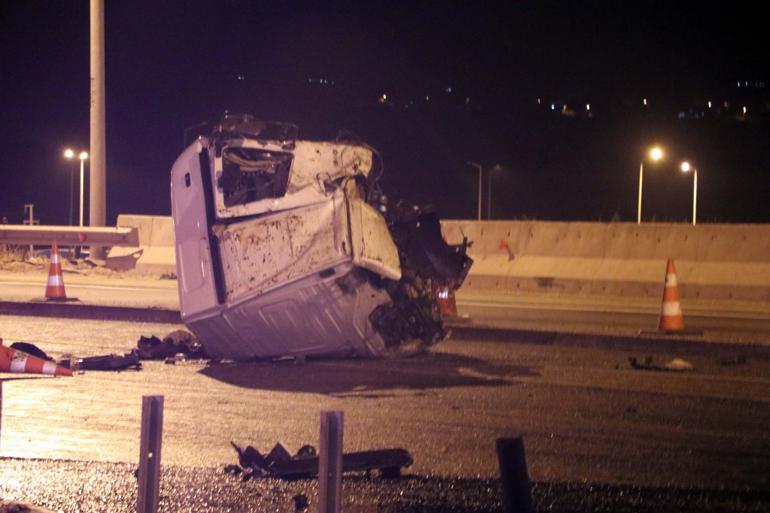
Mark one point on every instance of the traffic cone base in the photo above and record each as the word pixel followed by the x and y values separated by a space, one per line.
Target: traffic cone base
pixel 13 360
pixel 670 319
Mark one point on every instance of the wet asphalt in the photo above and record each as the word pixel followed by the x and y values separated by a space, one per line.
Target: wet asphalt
pixel 87 487
pixel 600 435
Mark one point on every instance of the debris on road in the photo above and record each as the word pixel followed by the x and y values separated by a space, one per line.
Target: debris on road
pixel 110 362
pixel 175 343
pixel 281 464
pixel 31 349
pixel 733 360
pixel 674 365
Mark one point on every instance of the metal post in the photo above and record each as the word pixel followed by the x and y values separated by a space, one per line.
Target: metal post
pixel 694 196
pixel 148 492
pixel 514 478
pixel 98 144
pixel 82 180
pixel 72 196
pixel 330 462
pixel 639 202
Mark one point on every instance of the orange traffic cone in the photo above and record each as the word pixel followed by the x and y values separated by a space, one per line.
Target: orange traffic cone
pixel 13 360
pixel 670 310
pixel 54 289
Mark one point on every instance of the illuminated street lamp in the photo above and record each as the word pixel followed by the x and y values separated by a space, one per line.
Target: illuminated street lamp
pixel 655 154
pixel 69 154
pixel 686 168
pixel 478 166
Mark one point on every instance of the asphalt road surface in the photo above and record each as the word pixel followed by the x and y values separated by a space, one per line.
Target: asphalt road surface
pixel 586 416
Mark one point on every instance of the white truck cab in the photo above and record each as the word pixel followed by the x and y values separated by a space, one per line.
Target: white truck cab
pixel 280 254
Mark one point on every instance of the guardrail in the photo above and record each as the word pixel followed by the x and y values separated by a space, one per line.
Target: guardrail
pixel 68 235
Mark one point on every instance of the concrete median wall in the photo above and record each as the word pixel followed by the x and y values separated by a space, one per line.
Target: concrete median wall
pixel 155 252
pixel 712 261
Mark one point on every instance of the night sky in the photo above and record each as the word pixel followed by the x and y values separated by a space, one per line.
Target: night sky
pixel 431 87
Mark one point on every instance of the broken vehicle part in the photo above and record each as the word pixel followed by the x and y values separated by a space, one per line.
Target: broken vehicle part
pixel 279 462
pixel 110 362
pixel 673 365
pixel 285 247
pixel 175 343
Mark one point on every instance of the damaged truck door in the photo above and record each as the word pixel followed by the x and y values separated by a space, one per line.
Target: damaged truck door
pixel 284 247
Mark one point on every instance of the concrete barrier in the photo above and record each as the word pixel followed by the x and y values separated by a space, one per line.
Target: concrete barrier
pixel 713 261
pixel 626 259
pixel 155 252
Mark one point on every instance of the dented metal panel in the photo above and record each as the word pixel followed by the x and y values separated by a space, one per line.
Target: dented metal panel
pixel 373 247
pixel 261 254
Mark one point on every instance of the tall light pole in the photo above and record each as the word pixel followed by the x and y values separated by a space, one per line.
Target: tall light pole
pixel 686 168
pixel 83 155
pixel 478 166
pixel 655 154
pixel 98 144
pixel 69 154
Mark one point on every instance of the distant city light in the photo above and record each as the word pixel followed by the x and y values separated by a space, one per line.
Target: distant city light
pixel 553 106
pixel 744 110
pixel 644 101
pixel 709 104
pixel 427 98
pixel 588 106
pixel 383 98
pixel 448 90
pixel 241 77
pixel 539 101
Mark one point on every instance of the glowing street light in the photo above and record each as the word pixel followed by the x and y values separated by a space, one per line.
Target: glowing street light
pixel 655 154
pixel 686 168
pixel 69 154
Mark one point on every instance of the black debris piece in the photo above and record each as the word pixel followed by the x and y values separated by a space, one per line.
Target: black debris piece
pixel 31 349
pixel 176 342
pixel 278 463
pixel 110 362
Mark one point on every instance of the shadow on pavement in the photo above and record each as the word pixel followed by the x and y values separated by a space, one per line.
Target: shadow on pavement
pixel 358 377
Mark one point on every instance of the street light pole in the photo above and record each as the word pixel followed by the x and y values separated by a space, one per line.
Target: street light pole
pixel 655 154
pixel 478 166
pixel 639 202
pixel 69 154
pixel 686 168
pixel 83 156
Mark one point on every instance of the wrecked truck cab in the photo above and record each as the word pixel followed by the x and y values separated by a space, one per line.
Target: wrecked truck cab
pixel 280 254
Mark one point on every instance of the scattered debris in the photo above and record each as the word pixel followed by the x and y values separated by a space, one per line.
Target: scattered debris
pixel 110 362
pixel 175 343
pixel 733 360
pixel 279 462
pixel 675 365
pixel 31 349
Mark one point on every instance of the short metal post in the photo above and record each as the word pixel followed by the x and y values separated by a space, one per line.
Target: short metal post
pixel 514 478
pixel 149 454
pixel 330 462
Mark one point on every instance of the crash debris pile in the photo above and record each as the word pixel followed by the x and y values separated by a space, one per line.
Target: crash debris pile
pixel 279 463
pixel 288 247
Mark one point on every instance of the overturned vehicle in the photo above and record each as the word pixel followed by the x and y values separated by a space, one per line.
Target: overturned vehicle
pixel 286 247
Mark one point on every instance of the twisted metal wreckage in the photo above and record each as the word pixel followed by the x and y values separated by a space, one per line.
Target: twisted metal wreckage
pixel 287 247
